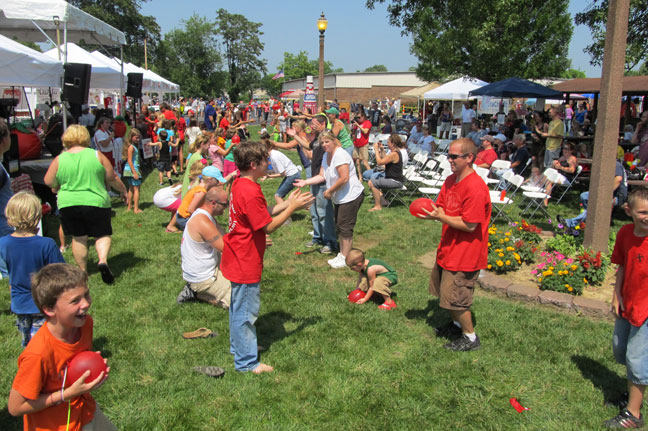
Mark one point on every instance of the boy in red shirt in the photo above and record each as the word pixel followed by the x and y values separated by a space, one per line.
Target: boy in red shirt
pixel 39 390
pixel 464 208
pixel 242 260
pixel 630 306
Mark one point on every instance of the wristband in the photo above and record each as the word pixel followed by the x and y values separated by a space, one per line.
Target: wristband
pixel 62 397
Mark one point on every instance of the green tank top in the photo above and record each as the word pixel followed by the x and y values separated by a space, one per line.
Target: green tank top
pixel 81 177
pixel 230 155
pixel 389 275
pixel 345 138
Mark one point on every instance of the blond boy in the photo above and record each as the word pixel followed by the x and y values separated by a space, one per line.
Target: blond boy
pixel 375 276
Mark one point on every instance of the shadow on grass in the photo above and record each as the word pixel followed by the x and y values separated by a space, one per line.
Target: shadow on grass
pixel 8 422
pixel 118 263
pixel 604 379
pixel 99 344
pixel 272 329
pixel 439 316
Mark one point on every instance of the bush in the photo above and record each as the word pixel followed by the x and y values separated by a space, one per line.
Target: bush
pixel 507 250
pixel 559 273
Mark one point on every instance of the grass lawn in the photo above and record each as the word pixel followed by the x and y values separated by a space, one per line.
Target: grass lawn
pixel 338 366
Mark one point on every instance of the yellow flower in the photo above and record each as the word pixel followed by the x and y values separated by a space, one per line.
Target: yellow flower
pixel 565 264
pixel 499 250
pixel 570 289
pixel 489 244
pixel 577 228
pixel 546 273
pixel 501 240
pixel 510 248
pixel 499 263
pixel 506 239
pixel 508 234
pixel 574 267
pixel 508 262
pixel 539 279
pixel 489 266
pixel 585 280
pixel 501 254
pixel 567 286
pixel 551 268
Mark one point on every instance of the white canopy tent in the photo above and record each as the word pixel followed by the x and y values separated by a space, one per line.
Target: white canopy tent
pixel 23 66
pixel 103 76
pixel 457 89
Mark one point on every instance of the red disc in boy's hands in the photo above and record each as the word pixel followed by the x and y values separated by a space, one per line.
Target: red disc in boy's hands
pixel 416 207
pixel 82 362
pixel 356 295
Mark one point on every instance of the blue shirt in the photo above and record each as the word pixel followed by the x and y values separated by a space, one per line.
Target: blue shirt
pixel 25 256
pixel 210 112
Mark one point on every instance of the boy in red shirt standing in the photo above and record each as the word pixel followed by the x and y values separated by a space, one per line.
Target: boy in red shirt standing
pixel 630 305
pixel 464 208
pixel 242 260
pixel 39 390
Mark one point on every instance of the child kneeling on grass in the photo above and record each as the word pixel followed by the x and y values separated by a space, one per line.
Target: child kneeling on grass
pixel 282 167
pixel 25 253
pixel 39 390
pixel 375 276
pixel 630 306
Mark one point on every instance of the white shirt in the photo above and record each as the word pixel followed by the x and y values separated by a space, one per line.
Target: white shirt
pixel 99 136
pixel 87 120
pixel 281 164
pixel 405 156
pixel 467 115
pixel 199 259
pixel 352 188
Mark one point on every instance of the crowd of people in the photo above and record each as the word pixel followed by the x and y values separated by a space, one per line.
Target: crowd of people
pixel 223 171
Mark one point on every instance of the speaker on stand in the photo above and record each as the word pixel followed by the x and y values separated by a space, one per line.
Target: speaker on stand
pixel 76 86
pixel 134 90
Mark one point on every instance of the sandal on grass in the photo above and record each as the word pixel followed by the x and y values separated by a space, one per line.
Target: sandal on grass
pixel 210 371
pixel 106 275
pixel 199 333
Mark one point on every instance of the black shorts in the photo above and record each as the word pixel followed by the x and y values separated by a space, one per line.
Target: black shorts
pixel 84 220
pixel 163 165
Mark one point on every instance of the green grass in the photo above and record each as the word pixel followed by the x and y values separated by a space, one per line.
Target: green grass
pixel 338 366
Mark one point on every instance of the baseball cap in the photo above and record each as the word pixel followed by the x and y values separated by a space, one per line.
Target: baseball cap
pixel 488 138
pixel 213 172
pixel 332 111
pixel 501 137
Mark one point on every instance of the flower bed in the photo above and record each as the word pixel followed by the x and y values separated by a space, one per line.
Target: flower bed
pixel 562 264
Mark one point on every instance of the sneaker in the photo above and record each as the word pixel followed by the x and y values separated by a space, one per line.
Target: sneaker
pixel 625 419
pixel 210 371
pixel 463 344
pixel 312 243
pixel 338 262
pixel 186 295
pixel 106 275
pixel 326 250
pixel 449 330
pixel 170 181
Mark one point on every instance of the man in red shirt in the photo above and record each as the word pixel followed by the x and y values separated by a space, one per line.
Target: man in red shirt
pixel 362 127
pixel 487 155
pixel 168 113
pixel 464 208
pixel 242 261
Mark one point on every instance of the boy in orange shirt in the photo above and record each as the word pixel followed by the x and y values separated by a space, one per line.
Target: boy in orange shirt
pixel 39 390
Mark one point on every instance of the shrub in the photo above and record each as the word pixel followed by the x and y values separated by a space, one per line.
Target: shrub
pixel 559 273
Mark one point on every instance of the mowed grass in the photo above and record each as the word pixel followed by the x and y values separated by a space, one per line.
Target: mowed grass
pixel 338 366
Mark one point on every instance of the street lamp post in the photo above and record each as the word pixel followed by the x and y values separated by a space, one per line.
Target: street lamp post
pixel 322 23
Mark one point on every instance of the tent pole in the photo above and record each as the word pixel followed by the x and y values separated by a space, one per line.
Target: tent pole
pixel 65 57
pixel 121 79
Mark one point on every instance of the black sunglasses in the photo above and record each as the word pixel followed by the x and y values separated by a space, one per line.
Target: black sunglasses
pixel 456 156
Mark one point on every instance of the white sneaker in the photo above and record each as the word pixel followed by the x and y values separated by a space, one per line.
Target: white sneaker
pixel 330 261
pixel 338 262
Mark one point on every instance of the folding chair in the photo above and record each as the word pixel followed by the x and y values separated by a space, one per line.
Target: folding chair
pixel 536 198
pixel 483 173
pixel 569 185
pixel 500 202
pixel 442 146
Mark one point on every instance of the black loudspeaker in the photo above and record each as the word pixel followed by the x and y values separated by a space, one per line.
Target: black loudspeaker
pixel 11 158
pixel 134 88
pixel 76 82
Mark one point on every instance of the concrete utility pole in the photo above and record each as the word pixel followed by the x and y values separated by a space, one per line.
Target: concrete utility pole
pixel 597 230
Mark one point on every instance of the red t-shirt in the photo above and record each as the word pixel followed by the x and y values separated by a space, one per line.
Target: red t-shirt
pixel 486 156
pixel 242 260
pixel 169 115
pixel 181 127
pixel 470 199
pixel 631 251
pixel 224 124
pixel 40 370
pixel 362 139
pixel 344 116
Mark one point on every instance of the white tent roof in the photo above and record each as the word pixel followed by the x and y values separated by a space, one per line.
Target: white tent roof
pixel 104 76
pixel 23 66
pixel 153 83
pixel 17 18
pixel 454 90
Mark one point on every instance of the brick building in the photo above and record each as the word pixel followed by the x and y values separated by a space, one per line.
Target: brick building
pixel 361 86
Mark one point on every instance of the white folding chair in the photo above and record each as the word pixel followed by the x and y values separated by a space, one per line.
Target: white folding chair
pixel 536 198
pixel 568 186
pixel 499 202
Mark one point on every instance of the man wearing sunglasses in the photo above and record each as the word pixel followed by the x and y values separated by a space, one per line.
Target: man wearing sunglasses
pixel 202 244
pixel 464 208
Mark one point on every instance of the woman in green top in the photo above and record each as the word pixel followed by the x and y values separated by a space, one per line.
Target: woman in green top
pixel 80 175
pixel 339 129
pixel 197 151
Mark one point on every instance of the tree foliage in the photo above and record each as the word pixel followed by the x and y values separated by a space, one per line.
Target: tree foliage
pixel 376 68
pixel 190 57
pixel 242 51
pixel 125 16
pixel 573 73
pixel 295 66
pixel 487 40
pixel 595 17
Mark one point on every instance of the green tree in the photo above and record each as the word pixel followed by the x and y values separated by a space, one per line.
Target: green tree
pixel 242 51
pixel 573 73
pixel 488 40
pixel 190 57
pixel 125 15
pixel 295 66
pixel 595 17
pixel 376 68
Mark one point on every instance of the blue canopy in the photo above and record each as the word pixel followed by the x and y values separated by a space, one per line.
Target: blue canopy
pixel 517 87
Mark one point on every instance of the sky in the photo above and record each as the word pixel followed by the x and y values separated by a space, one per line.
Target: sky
pixel 356 37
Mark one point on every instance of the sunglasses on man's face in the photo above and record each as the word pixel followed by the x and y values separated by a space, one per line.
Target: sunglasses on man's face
pixel 456 156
